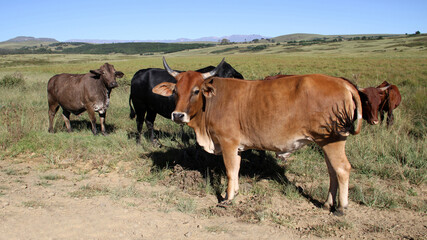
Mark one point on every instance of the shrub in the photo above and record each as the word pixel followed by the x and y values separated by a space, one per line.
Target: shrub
pixel 13 80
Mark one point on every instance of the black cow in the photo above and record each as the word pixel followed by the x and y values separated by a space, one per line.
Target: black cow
pixel 148 104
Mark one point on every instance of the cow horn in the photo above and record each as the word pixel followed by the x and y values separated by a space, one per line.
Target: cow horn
pixel 213 72
pixel 170 71
pixel 361 89
pixel 384 88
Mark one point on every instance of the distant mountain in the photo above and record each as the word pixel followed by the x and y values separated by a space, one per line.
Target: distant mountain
pixel 30 39
pixel 310 37
pixel 232 38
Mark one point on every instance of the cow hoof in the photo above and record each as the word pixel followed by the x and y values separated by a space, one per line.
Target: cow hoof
pixel 225 204
pixel 338 212
pixel 327 207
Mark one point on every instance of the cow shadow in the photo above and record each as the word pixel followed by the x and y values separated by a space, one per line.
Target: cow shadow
pixel 83 125
pixel 183 137
pixel 255 164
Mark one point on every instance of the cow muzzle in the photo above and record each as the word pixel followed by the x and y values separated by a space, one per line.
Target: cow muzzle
pixel 180 117
pixel 113 85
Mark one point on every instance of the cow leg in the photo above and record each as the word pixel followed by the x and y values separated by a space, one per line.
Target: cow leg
pixel 66 116
pixel 390 118
pixel 339 172
pixel 53 108
pixel 102 120
pixel 382 116
pixel 232 166
pixel 92 118
pixel 149 121
pixel 140 115
pixel 333 187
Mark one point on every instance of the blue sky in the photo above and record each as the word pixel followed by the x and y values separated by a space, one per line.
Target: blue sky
pixel 172 19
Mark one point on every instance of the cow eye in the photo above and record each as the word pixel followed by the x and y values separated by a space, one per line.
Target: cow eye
pixel 196 92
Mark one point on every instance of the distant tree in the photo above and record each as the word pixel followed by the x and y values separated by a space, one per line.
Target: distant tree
pixel 256 40
pixel 417 32
pixel 225 41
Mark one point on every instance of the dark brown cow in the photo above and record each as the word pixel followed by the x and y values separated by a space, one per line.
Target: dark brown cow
pixel 76 93
pixel 390 101
pixel 282 115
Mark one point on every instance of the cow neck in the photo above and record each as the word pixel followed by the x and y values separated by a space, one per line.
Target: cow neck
pixel 99 89
pixel 198 123
pixel 103 87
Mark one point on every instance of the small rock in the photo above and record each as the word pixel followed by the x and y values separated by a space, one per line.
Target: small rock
pixel 188 234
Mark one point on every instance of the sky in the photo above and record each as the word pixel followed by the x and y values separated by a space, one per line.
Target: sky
pixel 173 19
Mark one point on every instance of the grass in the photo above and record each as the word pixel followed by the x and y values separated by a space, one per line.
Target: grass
pixel 386 162
pixel 52 177
pixel 33 204
pixel 329 229
pixel 89 191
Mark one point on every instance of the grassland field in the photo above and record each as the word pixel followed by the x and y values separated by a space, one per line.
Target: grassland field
pixel 389 165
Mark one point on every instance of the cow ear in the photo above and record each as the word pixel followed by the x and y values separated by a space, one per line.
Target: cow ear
pixel 208 90
pixel 119 74
pixel 97 72
pixel 165 89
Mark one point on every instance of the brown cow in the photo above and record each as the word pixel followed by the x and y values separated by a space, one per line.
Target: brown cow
pixel 391 101
pixel 76 93
pixel 372 99
pixel 282 115
pixel 277 76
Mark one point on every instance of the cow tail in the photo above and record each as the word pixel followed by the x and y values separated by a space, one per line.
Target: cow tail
pixel 132 111
pixel 357 112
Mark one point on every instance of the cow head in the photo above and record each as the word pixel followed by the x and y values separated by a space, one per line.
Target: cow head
pixel 108 75
pixel 190 89
pixel 371 98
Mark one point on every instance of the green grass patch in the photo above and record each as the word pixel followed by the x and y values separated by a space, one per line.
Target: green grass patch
pixel 13 80
pixel 52 177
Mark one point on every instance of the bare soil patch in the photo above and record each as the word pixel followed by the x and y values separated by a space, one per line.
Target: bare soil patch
pixel 64 203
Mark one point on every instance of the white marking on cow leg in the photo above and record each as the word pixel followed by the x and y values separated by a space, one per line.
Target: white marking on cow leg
pixel 343 174
pixel 232 166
